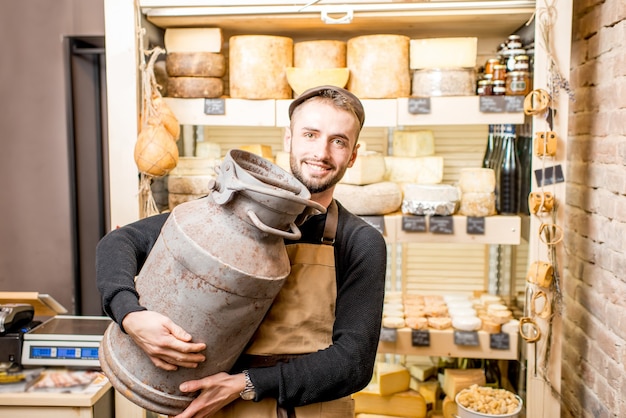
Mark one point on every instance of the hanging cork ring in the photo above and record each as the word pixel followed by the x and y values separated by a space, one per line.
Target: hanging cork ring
pixel 529 330
pixel 536 102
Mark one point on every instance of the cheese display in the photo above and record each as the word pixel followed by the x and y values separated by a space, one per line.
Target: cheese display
pixel 477 180
pixel 459 52
pixel 302 79
pixel 257 66
pixel 443 82
pixel 477 204
pixel 413 143
pixel 379 66
pixel 368 168
pixel 195 64
pixel 435 199
pixel 193 40
pixel 409 404
pixel 196 185
pixel 319 54
pixel 195 87
pixel 372 199
pixel 417 170
pixel 391 378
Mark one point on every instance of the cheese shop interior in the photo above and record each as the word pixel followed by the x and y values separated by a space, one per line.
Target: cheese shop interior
pixel 477 188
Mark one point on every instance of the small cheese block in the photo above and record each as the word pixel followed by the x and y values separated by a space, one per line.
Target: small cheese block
pixel 422 371
pixel 417 170
pixel 189 184
pixel 455 380
pixel 391 378
pixel 193 40
pixel 372 199
pixel 449 407
pixel 205 149
pixel 413 143
pixel 443 53
pixel 478 204
pixel 319 54
pixel 477 180
pixel 441 322
pixel 415 322
pixel 195 87
pixel 393 322
pixel 409 404
pixel 429 390
pixel 195 64
pixel 261 150
pixel 368 168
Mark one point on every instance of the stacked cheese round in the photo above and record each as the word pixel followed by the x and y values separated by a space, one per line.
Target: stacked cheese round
pixel 194 62
pixel 477 187
pixel 191 179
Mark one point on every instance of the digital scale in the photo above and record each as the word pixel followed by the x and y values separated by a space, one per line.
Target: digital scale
pixel 65 341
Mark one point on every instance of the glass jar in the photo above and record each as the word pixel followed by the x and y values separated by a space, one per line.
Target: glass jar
pixel 499 72
pixel 499 88
pixel 517 83
pixel 485 88
pixel 522 63
pixel 489 65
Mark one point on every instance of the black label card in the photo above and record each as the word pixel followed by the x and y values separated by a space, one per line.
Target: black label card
pixel 414 223
pixel 419 105
pixel 501 104
pixel 441 224
pixel 420 338
pixel 499 341
pixel 549 175
pixel 377 222
pixel 467 338
pixel 475 225
pixel 389 335
pixel 214 107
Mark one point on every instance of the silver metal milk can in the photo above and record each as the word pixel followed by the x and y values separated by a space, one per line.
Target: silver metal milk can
pixel 215 269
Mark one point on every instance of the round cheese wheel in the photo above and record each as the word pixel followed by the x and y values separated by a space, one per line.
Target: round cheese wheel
pixel 195 87
pixel 416 322
pixel 195 64
pixel 440 322
pixel 466 323
pixel 379 66
pixel 393 322
pixel 477 180
pixel 372 199
pixel 257 66
pixel 319 54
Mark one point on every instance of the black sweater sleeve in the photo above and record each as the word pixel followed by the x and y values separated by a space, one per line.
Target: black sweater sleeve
pixel 119 257
pixel 347 365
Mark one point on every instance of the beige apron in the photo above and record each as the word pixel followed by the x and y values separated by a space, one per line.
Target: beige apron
pixel 300 321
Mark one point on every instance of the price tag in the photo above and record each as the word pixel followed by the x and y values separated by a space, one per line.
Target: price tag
pixel 419 105
pixel 475 225
pixel 415 223
pixel 214 106
pixel 441 224
pixel 467 338
pixel 549 175
pixel 377 222
pixel 420 338
pixel 389 335
pixel 499 341
pixel 491 104
pixel 513 104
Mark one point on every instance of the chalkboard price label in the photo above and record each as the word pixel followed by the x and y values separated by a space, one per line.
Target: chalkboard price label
pixel 549 175
pixel 214 106
pixel 415 223
pixel 475 225
pixel 420 338
pixel 441 224
pixel 466 338
pixel 513 103
pixel 419 105
pixel 501 104
pixel 389 335
pixel 499 341
pixel 377 222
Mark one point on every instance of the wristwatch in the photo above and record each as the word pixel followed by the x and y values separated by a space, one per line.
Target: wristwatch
pixel 248 393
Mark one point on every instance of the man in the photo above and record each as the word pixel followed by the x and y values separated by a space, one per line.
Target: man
pixel 288 369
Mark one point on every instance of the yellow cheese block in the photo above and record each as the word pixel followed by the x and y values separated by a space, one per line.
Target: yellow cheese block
pixel 408 404
pixel 264 151
pixel 455 380
pixel 429 390
pixel 392 378
pixel 422 371
pixel 368 168
pixel 413 143
pixel 449 408
pixel 417 170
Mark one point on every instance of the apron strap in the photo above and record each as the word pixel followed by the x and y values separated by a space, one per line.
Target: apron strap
pixel 330 227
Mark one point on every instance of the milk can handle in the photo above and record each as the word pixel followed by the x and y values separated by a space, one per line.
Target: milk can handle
pixel 293 235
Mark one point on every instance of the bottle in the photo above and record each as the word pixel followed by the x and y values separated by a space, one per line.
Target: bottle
pixel 488 149
pixel 509 176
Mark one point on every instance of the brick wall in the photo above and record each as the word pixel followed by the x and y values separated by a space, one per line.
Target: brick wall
pixel 594 275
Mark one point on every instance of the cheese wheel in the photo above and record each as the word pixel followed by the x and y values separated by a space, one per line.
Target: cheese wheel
pixel 195 64
pixel 189 184
pixel 319 54
pixel 379 66
pixel 477 180
pixel 393 322
pixel 193 40
pixel 373 199
pixel 440 322
pixel 478 204
pixel 417 170
pixel 195 87
pixel 466 323
pixel 257 66
pixel 416 322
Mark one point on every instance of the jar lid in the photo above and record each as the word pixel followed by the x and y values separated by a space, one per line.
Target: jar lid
pixel 484 82
pixel 517 73
pixel 522 57
pixel 498 82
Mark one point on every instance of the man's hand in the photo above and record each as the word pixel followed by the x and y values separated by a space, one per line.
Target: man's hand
pixel 217 391
pixel 167 345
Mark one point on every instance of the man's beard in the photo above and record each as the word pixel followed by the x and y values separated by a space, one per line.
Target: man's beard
pixel 313 185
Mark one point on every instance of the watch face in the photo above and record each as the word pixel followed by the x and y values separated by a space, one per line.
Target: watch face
pixel 248 395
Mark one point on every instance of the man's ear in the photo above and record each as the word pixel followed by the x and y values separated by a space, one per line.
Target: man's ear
pixel 287 140
pixel 353 156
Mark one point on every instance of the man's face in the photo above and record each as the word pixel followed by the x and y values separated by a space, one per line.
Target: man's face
pixel 321 142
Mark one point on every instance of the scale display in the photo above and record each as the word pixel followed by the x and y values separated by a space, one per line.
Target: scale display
pixel 65 341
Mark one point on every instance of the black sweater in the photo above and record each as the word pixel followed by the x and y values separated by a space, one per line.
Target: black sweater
pixel 339 370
